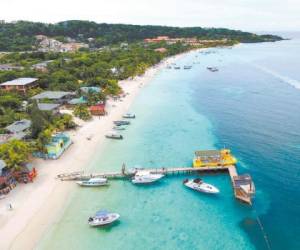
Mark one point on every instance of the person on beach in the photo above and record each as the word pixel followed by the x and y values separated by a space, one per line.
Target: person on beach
pixel 10 206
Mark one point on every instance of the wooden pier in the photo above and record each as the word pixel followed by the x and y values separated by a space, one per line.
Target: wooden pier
pixel 242 184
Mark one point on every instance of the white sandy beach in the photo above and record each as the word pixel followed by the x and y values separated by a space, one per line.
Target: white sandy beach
pixel 36 206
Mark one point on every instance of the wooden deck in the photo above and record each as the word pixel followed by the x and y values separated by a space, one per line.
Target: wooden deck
pixel 239 194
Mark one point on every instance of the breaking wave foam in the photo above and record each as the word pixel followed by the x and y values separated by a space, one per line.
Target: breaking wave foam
pixel 288 80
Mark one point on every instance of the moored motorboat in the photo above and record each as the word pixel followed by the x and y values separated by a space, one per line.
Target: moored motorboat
pixel 114 135
pixel 144 177
pixel 93 182
pixel 176 67
pixel 187 67
pixel 199 185
pixel 118 128
pixel 213 69
pixel 121 122
pixel 103 218
pixel 128 115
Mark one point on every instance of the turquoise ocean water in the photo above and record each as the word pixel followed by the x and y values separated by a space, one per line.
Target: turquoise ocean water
pixel 251 106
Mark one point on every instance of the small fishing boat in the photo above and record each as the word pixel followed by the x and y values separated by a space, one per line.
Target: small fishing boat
pixel 93 182
pixel 118 128
pixel 128 115
pixel 199 185
pixel 121 122
pixel 177 67
pixel 213 69
pixel 187 67
pixel 114 135
pixel 103 218
pixel 144 177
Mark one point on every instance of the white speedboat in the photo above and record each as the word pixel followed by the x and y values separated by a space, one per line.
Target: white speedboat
pixel 103 218
pixel 199 185
pixel 128 115
pixel 114 135
pixel 144 177
pixel 93 182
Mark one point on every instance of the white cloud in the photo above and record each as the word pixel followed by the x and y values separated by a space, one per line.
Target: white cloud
pixel 238 14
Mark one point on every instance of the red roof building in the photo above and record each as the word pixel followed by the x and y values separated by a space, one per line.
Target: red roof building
pixel 98 109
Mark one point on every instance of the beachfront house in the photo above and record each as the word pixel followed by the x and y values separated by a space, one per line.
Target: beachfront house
pixel 59 97
pixel 98 109
pixel 21 85
pixel 19 129
pixel 57 146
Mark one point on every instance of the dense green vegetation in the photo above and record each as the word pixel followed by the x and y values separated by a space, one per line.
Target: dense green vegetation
pixel 82 112
pixel 69 71
pixel 15 153
pixel 20 36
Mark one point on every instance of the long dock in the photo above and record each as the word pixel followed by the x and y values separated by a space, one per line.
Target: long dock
pixel 242 190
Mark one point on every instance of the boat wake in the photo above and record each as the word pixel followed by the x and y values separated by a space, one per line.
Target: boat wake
pixel 285 79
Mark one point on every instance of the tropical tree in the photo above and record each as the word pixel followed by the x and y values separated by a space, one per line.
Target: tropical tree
pixel 82 112
pixel 15 153
pixel 63 122
pixel 43 139
pixel 39 120
pixel 94 98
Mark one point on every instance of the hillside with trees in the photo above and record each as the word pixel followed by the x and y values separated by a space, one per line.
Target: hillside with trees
pixel 20 36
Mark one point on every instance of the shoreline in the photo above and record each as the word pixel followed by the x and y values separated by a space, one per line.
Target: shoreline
pixel 42 203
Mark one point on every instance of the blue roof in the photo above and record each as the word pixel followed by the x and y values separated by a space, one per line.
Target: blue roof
pixel 91 89
pixel 48 106
pixel 19 126
pixel 80 100
pixel 102 213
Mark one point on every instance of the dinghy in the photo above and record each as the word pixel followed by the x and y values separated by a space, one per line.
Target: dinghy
pixel 114 135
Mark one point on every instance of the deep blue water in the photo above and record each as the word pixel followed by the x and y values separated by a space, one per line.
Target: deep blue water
pixel 250 106
pixel 256 114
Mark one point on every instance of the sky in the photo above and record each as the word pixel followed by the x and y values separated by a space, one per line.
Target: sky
pixel 250 15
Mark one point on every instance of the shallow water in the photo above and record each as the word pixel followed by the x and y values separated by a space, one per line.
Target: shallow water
pixel 245 107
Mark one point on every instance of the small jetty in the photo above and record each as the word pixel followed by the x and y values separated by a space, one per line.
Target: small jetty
pixel 209 161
